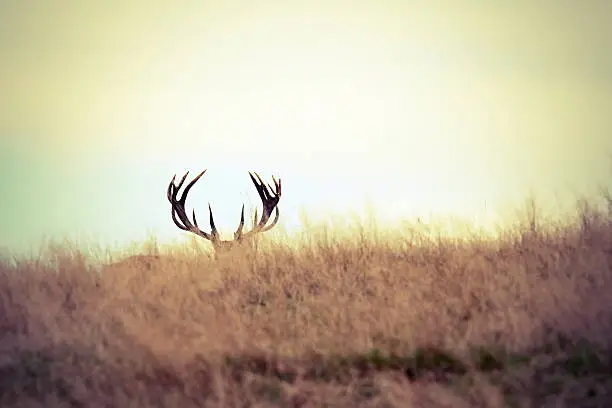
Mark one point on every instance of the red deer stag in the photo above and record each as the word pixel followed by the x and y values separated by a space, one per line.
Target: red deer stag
pixel 269 198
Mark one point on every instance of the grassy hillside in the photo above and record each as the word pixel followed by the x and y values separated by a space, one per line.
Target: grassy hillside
pixel 358 317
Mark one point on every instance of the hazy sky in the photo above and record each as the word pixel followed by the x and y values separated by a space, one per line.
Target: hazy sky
pixel 415 107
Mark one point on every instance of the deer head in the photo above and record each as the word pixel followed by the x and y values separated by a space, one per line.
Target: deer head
pixel 269 198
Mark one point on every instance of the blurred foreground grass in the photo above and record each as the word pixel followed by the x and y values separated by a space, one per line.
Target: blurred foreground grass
pixel 333 318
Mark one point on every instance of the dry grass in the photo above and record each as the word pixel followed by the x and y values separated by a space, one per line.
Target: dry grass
pixel 335 319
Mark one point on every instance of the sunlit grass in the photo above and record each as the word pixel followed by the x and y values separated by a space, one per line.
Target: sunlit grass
pixel 352 315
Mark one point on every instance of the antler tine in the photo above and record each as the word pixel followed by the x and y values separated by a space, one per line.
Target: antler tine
pixel 260 186
pixel 238 232
pixel 171 188
pixel 188 187
pixel 195 222
pixel 213 228
pixel 180 184
pixel 277 184
pixel 171 184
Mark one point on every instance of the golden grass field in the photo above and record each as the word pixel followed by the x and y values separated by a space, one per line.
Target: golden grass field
pixel 343 318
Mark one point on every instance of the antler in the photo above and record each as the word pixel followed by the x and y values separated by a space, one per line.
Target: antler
pixel 269 198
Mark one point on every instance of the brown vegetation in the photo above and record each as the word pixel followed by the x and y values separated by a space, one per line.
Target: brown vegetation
pixel 354 320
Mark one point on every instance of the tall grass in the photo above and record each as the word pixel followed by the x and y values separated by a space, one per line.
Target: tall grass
pixel 334 317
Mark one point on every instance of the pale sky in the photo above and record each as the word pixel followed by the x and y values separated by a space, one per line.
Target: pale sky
pixel 417 108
